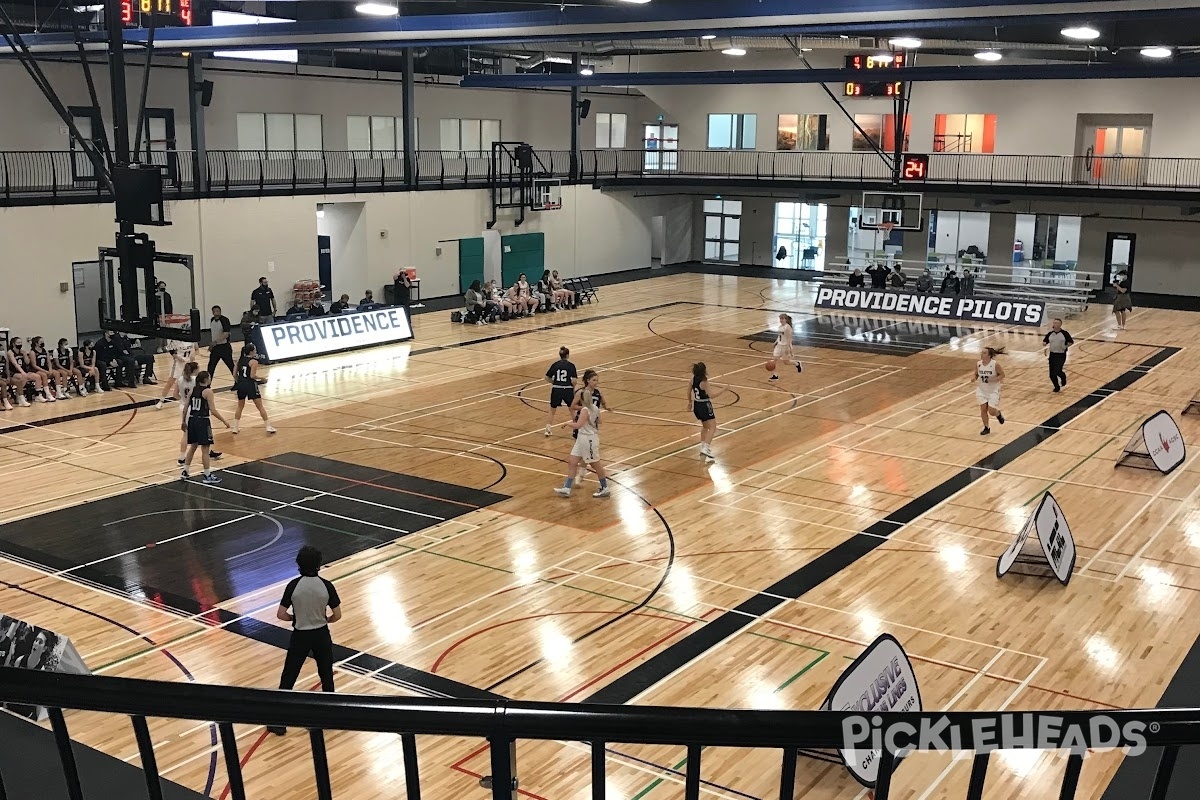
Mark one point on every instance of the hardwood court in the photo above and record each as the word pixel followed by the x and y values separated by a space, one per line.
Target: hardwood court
pixel 841 506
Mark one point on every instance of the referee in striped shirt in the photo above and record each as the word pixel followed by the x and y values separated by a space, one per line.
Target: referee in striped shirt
pixel 313 604
pixel 1057 341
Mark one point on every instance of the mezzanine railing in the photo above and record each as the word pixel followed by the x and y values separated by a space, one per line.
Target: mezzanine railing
pixel 63 174
pixel 502 723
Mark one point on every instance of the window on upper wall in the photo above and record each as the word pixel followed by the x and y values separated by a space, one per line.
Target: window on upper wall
pixel 383 135
pixel 802 132
pixel 880 130
pixel 470 138
pixel 610 131
pixel 732 131
pixel 964 133
pixel 281 135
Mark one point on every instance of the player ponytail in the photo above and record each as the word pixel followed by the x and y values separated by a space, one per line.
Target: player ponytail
pixel 189 369
pixel 564 354
pixel 699 370
pixel 996 351
pixel 787 319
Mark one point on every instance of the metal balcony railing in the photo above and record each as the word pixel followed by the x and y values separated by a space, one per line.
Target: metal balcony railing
pixel 49 175
pixel 502 723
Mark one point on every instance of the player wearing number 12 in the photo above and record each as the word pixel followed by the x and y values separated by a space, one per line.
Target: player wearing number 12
pixel 989 376
pixel 561 376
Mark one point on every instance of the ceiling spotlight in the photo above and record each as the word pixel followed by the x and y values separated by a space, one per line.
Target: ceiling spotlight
pixel 377 9
pixel 988 55
pixel 637 2
pixel 734 51
pixel 1083 33
pixel 586 71
pixel 1156 52
pixel 907 42
pixel 708 37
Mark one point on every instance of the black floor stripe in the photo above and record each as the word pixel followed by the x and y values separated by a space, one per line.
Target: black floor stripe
pixel 659 667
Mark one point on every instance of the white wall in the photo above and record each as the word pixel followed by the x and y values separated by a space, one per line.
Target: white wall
pixel 1066 246
pixel 346 227
pixel 541 118
pixel 235 241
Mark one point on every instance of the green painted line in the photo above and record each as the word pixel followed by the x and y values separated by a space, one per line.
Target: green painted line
pixel 820 657
pixel 1086 459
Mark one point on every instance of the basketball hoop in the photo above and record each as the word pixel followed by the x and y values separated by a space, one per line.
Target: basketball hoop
pixel 886 227
pixel 184 323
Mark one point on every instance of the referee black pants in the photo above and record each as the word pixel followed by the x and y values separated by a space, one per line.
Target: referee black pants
pixel 317 643
pixel 1057 373
pixel 218 353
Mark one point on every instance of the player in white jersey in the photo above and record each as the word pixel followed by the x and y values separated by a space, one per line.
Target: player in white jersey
pixel 587 445
pixel 181 354
pixel 783 347
pixel 989 376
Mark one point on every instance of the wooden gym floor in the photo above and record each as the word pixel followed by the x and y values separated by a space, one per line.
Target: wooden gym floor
pixel 841 506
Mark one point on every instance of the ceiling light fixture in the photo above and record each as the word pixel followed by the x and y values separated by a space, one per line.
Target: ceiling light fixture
pixel 636 2
pixel 734 51
pixel 89 9
pixel 377 9
pixel 708 37
pixel 843 36
pixel 1082 33
pixel 907 42
pixel 1157 52
pixel 587 71
pixel 989 55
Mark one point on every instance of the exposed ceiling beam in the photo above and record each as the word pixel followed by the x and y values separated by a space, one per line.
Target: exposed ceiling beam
pixel 1013 72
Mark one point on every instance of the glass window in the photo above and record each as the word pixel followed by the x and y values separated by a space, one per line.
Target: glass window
pixel 451 135
pixel 281 132
pixel 610 131
pixel 964 133
pixel 470 137
pixel 383 134
pixel 722 229
pixel 358 133
pixel 720 131
pixel 308 133
pixel 801 132
pixel 252 131
pixel 489 134
pixel 732 131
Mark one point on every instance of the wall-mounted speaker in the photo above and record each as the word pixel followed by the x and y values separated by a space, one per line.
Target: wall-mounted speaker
pixel 585 108
pixel 205 89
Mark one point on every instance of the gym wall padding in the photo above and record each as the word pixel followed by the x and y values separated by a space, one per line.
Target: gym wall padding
pixel 523 252
pixel 470 262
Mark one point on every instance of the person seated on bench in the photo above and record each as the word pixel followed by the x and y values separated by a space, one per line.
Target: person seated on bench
pixel 315 309
pixel 925 282
pixel 544 293
pixel 857 279
pixel 368 299
pixel 564 298
pixel 112 353
pixel 85 362
pixel 520 303
pixel 140 358
pixel 20 376
pixel 340 305
pixel 298 308
pixel 475 305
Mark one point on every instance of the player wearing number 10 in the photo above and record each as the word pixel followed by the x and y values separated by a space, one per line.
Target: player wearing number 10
pixel 561 376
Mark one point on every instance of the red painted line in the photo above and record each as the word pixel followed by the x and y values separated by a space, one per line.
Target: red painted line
pixel 481 631
pixel 369 483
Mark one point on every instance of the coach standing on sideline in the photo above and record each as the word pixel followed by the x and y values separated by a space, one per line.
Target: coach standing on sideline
pixel 308 597
pixel 264 298
pixel 220 349
pixel 1057 341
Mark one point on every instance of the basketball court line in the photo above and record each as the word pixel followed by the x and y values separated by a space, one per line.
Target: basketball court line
pixel 340 496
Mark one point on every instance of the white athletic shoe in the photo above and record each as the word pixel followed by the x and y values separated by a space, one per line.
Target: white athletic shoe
pixel 7 405
pixel 83 392
pixel 21 401
pixel 548 433
pixel 270 428
pixel 562 491
pixel 602 493
pixel 40 398
pixel 158 406
pixel 234 426
pixel 62 395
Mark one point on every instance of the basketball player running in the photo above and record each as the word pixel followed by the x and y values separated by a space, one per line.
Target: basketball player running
pixel 783 347
pixel 562 376
pixel 187 383
pixel 246 384
pixel 700 404
pixel 181 354
pixel 587 446
pixel 65 363
pixel 989 376
pixel 198 427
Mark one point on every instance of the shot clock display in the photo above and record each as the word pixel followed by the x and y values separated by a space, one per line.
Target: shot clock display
pixel 914 168
pixel 137 13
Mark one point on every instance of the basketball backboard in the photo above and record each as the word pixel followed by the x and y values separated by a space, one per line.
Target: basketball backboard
pixel 903 210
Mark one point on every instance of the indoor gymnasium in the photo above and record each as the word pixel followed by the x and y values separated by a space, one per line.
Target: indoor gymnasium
pixel 628 399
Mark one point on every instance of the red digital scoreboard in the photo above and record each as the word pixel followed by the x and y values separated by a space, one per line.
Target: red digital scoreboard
pixel 914 168
pixel 137 13
pixel 876 65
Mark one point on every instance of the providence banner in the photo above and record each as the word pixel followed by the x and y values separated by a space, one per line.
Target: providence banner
pixel 913 304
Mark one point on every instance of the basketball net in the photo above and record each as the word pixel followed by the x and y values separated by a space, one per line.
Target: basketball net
pixel 183 322
pixel 886 227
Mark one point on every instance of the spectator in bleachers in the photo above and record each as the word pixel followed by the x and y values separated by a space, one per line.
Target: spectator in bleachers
pixel 897 278
pixel 316 309
pixel 857 279
pixel 249 320
pixel 925 282
pixel 368 299
pixel 340 305
pixel 298 307
pixel 950 282
pixel 879 276
pixel 264 299
pixel 112 354
pixel 966 286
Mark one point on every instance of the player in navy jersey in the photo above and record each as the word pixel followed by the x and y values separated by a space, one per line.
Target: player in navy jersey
pixel 198 426
pixel 587 444
pixel 561 376
pixel 4 396
pixel 700 395
pixel 246 383
pixel 64 361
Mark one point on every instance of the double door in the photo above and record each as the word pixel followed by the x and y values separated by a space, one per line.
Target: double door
pixel 1113 155
pixel 661 143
